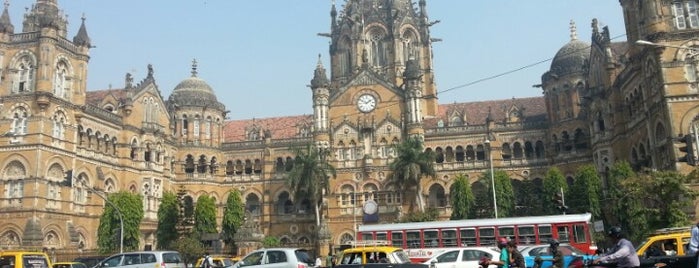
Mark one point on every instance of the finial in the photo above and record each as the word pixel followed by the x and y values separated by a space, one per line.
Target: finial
pixel 573 31
pixel 194 67
pixel 320 63
pixel 83 17
pixel 7 4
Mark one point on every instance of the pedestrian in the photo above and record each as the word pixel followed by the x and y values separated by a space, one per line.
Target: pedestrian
pixel 557 261
pixel 504 261
pixel 319 262
pixel 693 249
pixel 623 253
pixel 206 262
pixel 516 258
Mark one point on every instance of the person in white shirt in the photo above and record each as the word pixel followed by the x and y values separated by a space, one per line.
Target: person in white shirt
pixel 319 262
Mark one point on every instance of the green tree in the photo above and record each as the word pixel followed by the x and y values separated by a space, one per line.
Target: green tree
pixel 310 176
pixel 131 207
pixel 190 248
pixel 527 198
pixel 233 217
pixel 462 198
pixel 484 195
pixel 411 164
pixel 168 217
pixel 623 208
pixel 271 242
pixel 552 184
pixel 665 198
pixel 584 195
pixel 430 214
pixel 205 215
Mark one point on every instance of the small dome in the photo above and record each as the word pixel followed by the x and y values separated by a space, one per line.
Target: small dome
pixel 194 91
pixel 571 58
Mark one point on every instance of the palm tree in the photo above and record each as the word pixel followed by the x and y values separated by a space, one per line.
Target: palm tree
pixel 309 177
pixel 410 166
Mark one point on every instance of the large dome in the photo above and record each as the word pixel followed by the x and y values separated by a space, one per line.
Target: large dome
pixel 571 58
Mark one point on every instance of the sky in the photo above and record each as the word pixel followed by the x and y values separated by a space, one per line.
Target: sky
pixel 259 55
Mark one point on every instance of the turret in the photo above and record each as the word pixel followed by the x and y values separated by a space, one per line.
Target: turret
pixel 6 27
pixel 45 14
pixel 81 38
pixel 321 94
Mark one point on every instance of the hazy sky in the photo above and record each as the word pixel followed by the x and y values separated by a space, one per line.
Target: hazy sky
pixel 259 55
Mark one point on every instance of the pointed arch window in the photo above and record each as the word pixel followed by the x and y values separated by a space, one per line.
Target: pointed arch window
pixel 376 49
pixel 59 121
pixel 207 128
pixel 195 126
pixel 19 121
pixel 24 78
pixel 61 81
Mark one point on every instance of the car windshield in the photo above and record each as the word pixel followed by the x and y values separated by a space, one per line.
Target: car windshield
pixel 400 256
pixel 303 256
pixel 35 261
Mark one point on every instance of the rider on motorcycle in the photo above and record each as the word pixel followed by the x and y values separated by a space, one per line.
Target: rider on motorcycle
pixel 623 253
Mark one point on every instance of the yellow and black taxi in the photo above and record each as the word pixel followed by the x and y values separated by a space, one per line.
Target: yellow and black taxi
pixel 366 252
pixel 24 259
pixel 218 261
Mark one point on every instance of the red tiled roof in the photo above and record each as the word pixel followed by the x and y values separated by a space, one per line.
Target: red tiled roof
pixel 280 127
pixel 97 96
pixel 477 112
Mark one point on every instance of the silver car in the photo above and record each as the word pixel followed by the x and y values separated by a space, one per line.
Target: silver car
pixel 276 258
pixel 144 259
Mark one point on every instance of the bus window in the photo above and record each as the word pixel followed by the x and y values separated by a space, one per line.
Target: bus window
pixel 397 239
pixel 545 233
pixel 525 235
pixel 508 232
pixel 563 234
pixel 449 238
pixel 579 233
pixel 413 239
pixel 487 236
pixel 367 236
pixel 381 236
pixel 431 238
pixel 468 237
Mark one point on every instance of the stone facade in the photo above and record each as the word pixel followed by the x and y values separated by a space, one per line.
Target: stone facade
pixel 602 102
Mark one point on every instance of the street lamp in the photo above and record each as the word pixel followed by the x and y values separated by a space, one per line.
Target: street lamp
pixel 649 43
pixel 492 176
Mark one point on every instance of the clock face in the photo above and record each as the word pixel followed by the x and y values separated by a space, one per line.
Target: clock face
pixel 370 207
pixel 366 103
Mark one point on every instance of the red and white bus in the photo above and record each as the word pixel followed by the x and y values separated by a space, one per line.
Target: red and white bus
pixel 423 240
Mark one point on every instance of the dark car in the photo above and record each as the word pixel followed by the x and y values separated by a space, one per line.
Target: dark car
pixel 90 261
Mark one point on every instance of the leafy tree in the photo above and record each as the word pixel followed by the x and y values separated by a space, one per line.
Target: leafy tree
pixel 205 215
pixel 503 192
pixel 309 177
pixel 190 248
pixel 410 166
pixel 552 184
pixel 431 214
pixel 271 242
pixel 584 195
pixel 462 198
pixel 233 217
pixel 527 198
pixel 131 207
pixel 168 217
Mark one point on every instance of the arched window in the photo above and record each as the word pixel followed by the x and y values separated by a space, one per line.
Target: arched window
pixel 252 204
pixel 207 128
pixel 59 121
pixel 517 151
pixel 13 177
pixel 376 48
pixel 195 126
pixel 459 153
pixel 24 78
pixel 61 83
pixel 19 121
pixel 437 196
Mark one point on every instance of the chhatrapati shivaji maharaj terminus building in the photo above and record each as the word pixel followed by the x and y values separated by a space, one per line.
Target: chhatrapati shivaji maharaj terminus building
pixel 602 102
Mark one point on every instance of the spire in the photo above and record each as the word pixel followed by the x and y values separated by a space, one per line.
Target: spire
pixel 333 16
pixel 82 39
pixel 573 31
pixel 5 23
pixel 194 68
pixel 320 79
pixel 45 14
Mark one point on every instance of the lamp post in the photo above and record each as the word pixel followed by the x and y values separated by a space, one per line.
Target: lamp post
pixel 492 176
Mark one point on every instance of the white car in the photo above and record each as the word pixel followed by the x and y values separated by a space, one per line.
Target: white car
pixel 463 257
pixel 276 258
pixel 143 259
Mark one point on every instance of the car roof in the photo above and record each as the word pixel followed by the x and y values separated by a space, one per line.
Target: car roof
pixel 380 248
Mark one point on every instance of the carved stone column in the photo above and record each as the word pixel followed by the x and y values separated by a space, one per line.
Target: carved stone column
pixel 249 237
